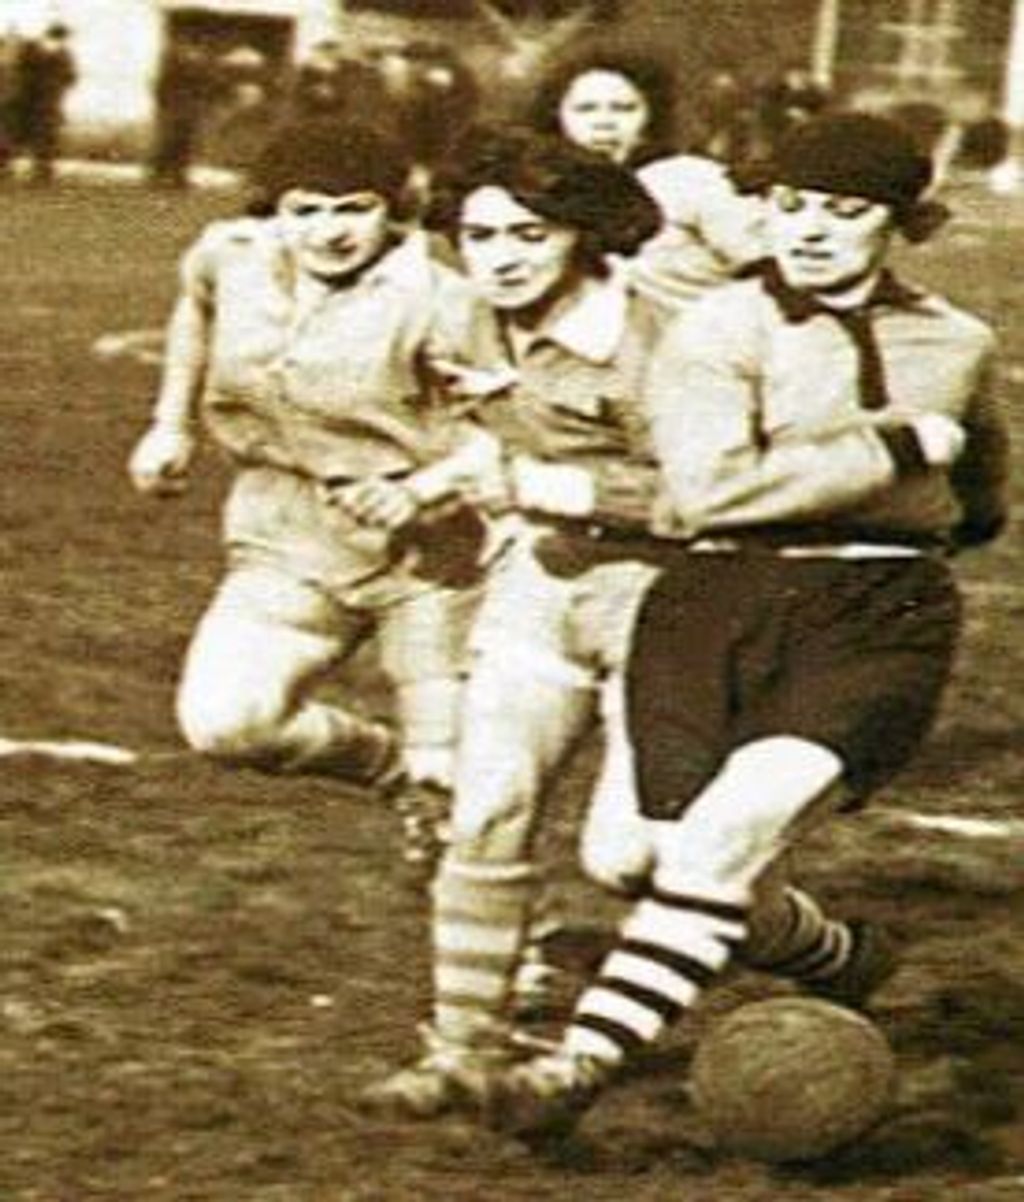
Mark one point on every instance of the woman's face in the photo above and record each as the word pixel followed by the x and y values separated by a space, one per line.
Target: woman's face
pixel 606 112
pixel 827 243
pixel 517 259
pixel 333 236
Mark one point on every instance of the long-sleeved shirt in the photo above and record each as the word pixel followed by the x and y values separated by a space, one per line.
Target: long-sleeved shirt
pixel 577 399
pixel 710 230
pixel 320 380
pixel 758 420
pixel 302 382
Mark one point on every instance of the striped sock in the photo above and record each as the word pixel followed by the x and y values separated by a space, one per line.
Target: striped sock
pixel 326 739
pixel 805 946
pixel 670 948
pixel 480 918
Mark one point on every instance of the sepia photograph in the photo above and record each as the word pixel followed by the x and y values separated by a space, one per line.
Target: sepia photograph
pixel 512 627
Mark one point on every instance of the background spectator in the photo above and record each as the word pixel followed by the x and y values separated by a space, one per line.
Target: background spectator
pixel 785 101
pixel 321 81
pixel 186 85
pixel 619 103
pixel 10 53
pixel 242 109
pixel 46 70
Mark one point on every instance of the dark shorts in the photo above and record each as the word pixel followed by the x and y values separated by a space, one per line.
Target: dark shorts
pixel 730 648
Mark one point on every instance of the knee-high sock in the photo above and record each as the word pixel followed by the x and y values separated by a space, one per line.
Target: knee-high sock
pixel 546 912
pixel 535 971
pixel 327 739
pixel 707 864
pixel 670 948
pixel 796 939
pixel 481 913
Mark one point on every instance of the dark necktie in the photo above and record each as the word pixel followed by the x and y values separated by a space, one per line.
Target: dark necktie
pixel 858 323
pixel 799 306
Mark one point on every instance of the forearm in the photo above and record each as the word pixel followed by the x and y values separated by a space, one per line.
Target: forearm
pixel 794 482
pixel 472 466
pixel 617 492
pixel 808 479
pixel 185 363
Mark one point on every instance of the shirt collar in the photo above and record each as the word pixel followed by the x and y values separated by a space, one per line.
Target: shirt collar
pixel 593 325
pixel 406 263
pixel 797 305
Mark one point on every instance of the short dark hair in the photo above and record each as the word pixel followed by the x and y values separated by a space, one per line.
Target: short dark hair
pixel 323 154
pixel 563 183
pixel 647 72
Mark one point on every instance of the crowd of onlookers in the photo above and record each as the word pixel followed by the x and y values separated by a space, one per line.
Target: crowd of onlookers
pixel 218 104
pixel 429 94
pixel 35 75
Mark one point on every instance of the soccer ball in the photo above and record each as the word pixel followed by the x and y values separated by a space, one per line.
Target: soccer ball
pixel 791 1078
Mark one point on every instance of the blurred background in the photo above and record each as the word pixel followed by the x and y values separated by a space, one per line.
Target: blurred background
pixel 180 85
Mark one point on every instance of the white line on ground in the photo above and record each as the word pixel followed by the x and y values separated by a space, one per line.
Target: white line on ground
pixel 70 749
pixel 87 751
pixel 145 345
pixel 953 824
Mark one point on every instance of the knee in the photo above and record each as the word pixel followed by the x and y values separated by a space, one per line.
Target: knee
pixel 501 775
pixel 233 730
pixel 493 823
pixel 768 789
pixel 785 764
pixel 429 709
pixel 743 821
pixel 618 860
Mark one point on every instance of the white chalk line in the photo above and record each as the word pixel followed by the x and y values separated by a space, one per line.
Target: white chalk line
pixel 80 751
pixel 956 825
pixel 142 345
pixel 89 751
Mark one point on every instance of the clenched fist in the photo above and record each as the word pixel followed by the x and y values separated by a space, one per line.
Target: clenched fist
pixel 160 462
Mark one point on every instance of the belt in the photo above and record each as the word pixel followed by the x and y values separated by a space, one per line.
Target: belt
pixel 809 539
pixel 608 533
pixel 851 550
pixel 803 542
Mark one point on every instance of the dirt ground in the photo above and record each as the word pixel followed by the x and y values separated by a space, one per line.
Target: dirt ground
pixel 200 968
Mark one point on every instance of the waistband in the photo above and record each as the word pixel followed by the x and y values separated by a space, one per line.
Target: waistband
pixel 851 550
pixel 823 542
pixel 787 542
